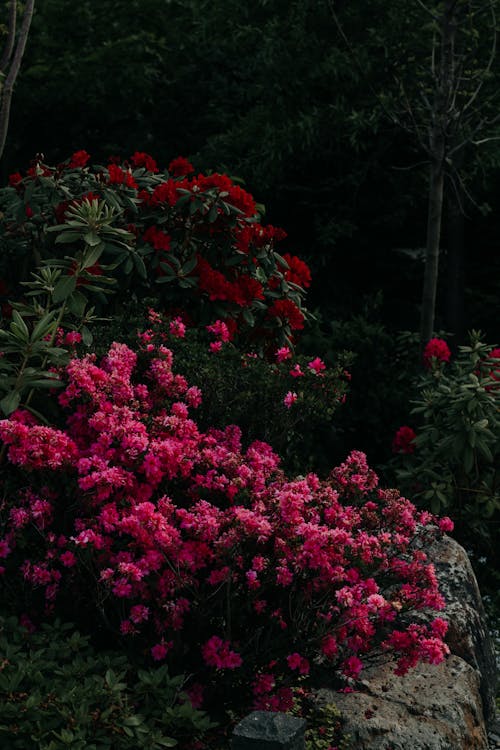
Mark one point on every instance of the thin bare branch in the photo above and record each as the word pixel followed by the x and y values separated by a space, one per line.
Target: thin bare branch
pixel 428 10
pixel 13 72
pixel 11 37
pixel 487 69
pixel 391 115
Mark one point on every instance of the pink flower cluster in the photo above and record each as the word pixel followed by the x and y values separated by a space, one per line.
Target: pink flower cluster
pixel 207 552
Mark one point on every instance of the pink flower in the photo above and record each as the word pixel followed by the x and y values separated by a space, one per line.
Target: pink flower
pixel 317 365
pixel 220 330
pixel 177 328
pixel 352 666
pixel 68 559
pixel 297 662
pixel 436 350
pixel 296 372
pixel 329 646
pixel 404 440
pixel 160 650
pixel 217 653
pixel 283 354
pixel 290 398
pixel 215 346
pixel 72 337
pixel 446 524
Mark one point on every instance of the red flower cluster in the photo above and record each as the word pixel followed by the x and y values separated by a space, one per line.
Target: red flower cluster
pixel 141 159
pixel 79 159
pixel 219 256
pixel 118 176
pixel 404 440
pixel 436 350
pixel 288 312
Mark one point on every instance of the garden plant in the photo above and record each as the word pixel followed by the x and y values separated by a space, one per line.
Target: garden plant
pixel 185 540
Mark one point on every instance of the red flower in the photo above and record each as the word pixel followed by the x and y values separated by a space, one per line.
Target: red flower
pixel 403 440
pixel 249 289
pixel 15 179
pixel 298 271
pixel 79 159
pixel 117 176
pixel 180 167
pixel 166 192
pixel 141 159
pixel 154 236
pixel 438 350
pixel 287 311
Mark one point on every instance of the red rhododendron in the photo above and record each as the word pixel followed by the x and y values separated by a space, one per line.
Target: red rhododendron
pixel 436 350
pixel 404 440
pixel 141 159
pixel 79 159
pixel 180 167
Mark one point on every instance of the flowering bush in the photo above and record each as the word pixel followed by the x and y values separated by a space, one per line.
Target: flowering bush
pixel 452 462
pixel 205 554
pixel 250 391
pixel 196 240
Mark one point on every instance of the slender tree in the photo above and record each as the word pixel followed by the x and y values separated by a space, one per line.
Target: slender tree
pixel 442 68
pixel 10 62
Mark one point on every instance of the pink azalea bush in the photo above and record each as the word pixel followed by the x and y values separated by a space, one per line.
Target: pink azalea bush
pixel 202 552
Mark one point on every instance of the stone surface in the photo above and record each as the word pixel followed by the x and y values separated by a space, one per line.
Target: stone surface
pixel 431 708
pixel 444 707
pixel 468 635
pixel 265 730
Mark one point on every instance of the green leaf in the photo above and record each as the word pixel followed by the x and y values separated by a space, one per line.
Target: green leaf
pixel 92 256
pixel 43 327
pixel 92 239
pixel 19 326
pixel 133 721
pixel 64 288
pixel 67 238
pixel 189 265
pixel 140 266
pixel 10 402
pixel 77 303
pixel 87 337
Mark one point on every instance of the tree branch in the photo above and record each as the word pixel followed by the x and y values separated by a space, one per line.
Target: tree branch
pixel 11 37
pixel 13 72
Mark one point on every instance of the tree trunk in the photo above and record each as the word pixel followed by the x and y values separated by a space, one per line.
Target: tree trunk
pixel 6 93
pixel 455 276
pixel 434 214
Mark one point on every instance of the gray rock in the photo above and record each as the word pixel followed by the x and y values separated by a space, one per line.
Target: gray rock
pixel 444 707
pixel 265 730
pixel 431 708
pixel 468 635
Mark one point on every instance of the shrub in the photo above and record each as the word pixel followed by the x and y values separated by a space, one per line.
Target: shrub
pixel 451 461
pixel 252 392
pixel 56 691
pixel 381 366
pixel 204 554
pixel 195 241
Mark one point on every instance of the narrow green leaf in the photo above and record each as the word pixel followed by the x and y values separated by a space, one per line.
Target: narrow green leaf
pixel 64 288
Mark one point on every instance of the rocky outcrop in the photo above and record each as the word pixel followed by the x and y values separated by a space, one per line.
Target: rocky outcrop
pixel 444 707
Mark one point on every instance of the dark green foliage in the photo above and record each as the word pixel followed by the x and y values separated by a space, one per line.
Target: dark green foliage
pixel 455 468
pixel 56 691
pixel 384 363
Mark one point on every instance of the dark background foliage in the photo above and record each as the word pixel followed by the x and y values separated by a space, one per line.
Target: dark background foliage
pixel 269 91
